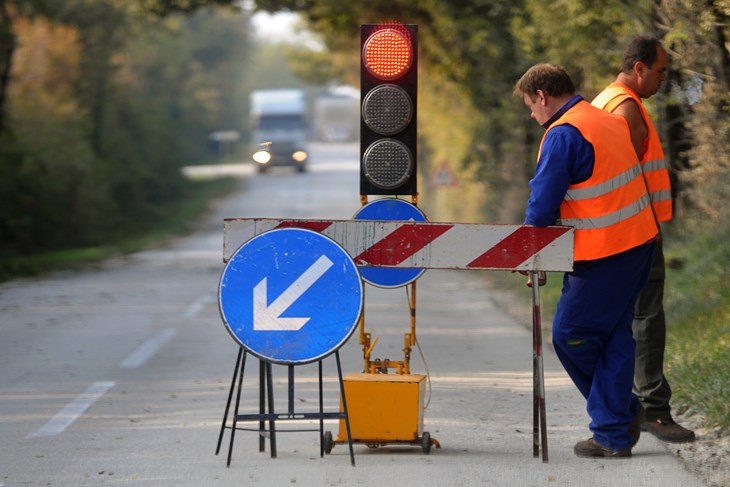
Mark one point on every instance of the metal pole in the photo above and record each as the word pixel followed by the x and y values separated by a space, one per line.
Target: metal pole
pixel 235 412
pixel 270 393
pixel 262 405
pixel 535 393
pixel 228 403
pixel 344 408
pixel 539 370
pixel 321 411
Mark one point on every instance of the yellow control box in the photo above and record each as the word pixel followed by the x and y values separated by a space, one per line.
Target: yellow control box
pixel 384 408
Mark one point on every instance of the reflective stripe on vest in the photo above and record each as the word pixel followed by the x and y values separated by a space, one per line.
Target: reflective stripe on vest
pixel 605 187
pixel 653 164
pixel 611 211
pixel 607 220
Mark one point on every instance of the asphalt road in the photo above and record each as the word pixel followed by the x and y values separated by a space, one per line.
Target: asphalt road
pixel 119 375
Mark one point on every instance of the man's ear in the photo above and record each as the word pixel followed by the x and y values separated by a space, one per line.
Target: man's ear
pixel 640 68
pixel 541 96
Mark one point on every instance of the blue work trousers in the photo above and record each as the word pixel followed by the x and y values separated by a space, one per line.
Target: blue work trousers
pixel 593 339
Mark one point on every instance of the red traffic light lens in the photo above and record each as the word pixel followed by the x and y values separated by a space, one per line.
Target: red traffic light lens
pixel 387 53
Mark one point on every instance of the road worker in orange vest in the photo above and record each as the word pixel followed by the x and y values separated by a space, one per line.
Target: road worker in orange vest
pixel 643 69
pixel 589 177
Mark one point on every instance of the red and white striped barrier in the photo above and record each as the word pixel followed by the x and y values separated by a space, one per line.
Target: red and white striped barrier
pixel 429 245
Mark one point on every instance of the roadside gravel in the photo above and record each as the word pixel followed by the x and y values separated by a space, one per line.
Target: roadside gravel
pixel 709 455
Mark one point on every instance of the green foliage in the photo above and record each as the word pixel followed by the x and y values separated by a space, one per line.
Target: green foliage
pixel 50 187
pixel 191 84
pixel 99 123
pixel 697 302
pixel 167 7
pixel 270 68
pixel 314 67
pixel 173 219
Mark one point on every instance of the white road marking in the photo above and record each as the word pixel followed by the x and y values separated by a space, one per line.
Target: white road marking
pixel 197 306
pixel 148 349
pixel 73 410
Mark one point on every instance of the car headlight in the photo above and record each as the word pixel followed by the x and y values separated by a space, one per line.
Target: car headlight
pixel 299 156
pixel 262 156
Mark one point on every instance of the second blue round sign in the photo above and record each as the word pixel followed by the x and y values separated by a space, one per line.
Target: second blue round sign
pixel 395 210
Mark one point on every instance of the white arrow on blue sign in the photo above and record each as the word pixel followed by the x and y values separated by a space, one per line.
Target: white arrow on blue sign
pixel 291 296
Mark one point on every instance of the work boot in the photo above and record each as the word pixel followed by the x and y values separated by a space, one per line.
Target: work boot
pixel 590 448
pixel 635 426
pixel 667 430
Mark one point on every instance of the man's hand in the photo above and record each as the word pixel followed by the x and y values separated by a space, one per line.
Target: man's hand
pixel 541 279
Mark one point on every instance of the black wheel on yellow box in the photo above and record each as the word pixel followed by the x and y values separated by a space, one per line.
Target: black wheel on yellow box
pixel 426 442
pixel 328 442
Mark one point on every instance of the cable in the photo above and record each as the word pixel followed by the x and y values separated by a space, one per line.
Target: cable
pixel 423 357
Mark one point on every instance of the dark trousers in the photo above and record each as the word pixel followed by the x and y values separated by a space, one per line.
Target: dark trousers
pixel 649 328
pixel 593 339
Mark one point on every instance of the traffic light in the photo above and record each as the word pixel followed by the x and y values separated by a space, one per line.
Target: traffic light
pixel 388 97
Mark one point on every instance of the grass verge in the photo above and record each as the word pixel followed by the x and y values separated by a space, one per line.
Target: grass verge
pixel 175 220
pixel 697 304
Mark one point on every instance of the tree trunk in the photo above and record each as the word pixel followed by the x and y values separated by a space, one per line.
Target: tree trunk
pixel 7 48
pixel 722 59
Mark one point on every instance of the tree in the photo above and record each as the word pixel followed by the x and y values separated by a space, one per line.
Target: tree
pixel 99 125
pixel 695 116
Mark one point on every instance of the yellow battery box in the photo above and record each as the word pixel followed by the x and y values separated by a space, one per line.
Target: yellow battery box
pixel 384 408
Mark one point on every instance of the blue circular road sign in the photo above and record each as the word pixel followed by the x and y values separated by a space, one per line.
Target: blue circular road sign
pixel 390 209
pixel 290 296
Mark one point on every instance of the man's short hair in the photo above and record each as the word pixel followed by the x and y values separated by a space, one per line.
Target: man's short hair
pixel 641 49
pixel 551 79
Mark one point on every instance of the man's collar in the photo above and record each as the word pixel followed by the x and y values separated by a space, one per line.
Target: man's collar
pixel 568 105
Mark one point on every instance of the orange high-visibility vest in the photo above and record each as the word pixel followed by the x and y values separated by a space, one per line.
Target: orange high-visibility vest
pixel 610 211
pixel 653 164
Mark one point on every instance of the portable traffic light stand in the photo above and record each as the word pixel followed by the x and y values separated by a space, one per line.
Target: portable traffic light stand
pixel 388 407
pixel 386 401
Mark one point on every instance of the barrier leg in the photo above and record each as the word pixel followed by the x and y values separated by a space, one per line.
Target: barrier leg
pixel 539 375
pixel 535 398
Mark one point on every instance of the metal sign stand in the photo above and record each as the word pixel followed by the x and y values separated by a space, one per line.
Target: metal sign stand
pixel 240 362
pixel 266 403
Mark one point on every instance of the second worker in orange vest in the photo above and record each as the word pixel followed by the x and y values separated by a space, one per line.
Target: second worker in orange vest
pixel 643 69
pixel 589 177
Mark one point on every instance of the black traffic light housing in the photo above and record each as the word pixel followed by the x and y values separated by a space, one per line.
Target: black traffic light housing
pixel 388 110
